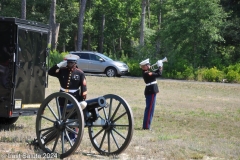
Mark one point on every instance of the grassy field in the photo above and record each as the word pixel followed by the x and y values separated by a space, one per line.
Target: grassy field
pixel 192 120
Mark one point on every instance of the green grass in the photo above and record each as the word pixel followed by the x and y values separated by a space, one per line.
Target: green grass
pixel 192 120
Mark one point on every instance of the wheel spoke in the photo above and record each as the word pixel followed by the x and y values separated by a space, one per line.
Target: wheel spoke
pixel 109 144
pixel 121 125
pixel 63 149
pixel 72 111
pixel 68 138
pixel 119 133
pixel 119 117
pixel 72 123
pixel 49 128
pixel 103 139
pixel 115 111
pixel 48 119
pixel 55 144
pixel 50 108
pixel 110 108
pixel 98 133
pixel 114 140
pixel 64 109
pixel 105 114
pixel 58 108
pixel 71 130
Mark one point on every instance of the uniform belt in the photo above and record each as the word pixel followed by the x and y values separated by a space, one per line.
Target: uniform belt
pixel 154 82
pixel 69 90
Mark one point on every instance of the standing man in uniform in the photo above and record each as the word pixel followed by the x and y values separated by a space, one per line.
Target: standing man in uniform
pixel 150 92
pixel 72 79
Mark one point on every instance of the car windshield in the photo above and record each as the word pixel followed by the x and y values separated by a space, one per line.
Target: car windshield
pixel 105 57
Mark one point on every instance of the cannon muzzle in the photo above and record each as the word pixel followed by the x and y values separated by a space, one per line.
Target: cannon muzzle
pixel 96 102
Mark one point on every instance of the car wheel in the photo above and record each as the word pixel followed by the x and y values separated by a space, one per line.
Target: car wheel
pixel 111 72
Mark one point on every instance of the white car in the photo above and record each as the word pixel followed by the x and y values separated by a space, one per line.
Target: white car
pixel 93 62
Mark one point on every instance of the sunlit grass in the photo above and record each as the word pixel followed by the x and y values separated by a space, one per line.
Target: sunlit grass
pixel 192 120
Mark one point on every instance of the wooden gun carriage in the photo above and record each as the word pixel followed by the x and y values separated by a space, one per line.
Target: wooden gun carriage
pixel 24 78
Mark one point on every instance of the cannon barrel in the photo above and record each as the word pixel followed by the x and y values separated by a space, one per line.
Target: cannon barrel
pixel 96 102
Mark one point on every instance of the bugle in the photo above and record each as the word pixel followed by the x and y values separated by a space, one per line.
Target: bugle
pixel 159 63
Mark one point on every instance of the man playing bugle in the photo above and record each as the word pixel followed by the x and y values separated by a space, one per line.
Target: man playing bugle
pixel 151 90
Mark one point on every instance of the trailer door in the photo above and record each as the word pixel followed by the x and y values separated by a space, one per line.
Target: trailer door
pixel 7 52
pixel 31 66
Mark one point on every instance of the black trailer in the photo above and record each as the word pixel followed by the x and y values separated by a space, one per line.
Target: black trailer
pixel 23 79
pixel 23 67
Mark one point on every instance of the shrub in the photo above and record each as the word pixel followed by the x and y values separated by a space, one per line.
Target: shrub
pixel 199 74
pixel 188 73
pixel 213 75
pixel 232 76
pixel 233 73
pixel 134 69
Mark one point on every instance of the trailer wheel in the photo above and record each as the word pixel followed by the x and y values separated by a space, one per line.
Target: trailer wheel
pixel 57 126
pixel 8 121
pixel 112 132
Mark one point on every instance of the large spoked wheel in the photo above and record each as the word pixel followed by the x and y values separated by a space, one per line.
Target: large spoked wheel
pixel 59 124
pixel 112 132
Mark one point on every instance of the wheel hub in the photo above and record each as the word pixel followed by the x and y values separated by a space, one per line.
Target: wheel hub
pixel 60 125
pixel 107 125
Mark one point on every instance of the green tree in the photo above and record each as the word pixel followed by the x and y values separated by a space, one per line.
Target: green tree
pixel 190 30
pixel 230 50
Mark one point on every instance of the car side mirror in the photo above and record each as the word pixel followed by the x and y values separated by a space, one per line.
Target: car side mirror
pixel 101 60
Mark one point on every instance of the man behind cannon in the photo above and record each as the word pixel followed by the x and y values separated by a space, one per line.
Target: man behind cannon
pixel 72 79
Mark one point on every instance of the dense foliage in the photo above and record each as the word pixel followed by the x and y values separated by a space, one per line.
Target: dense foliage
pixel 200 38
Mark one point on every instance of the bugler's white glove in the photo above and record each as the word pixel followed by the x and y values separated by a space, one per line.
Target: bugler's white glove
pixel 159 63
pixel 62 64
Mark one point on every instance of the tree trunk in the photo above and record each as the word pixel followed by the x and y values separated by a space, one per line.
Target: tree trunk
pixel 82 6
pixel 142 28
pixel 75 42
pixel 89 48
pixel 158 41
pixel 54 26
pixel 55 35
pixel 23 13
pixel 63 47
pixel 149 13
pixel 120 44
pixel 102 35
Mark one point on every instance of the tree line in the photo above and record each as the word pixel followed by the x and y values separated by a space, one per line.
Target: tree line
pixel 191 34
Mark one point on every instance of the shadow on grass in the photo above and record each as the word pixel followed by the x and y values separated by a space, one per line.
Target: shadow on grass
pixel 11 127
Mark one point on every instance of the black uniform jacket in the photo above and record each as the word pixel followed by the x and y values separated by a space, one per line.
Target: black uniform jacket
pixel 70 79
pixel 149 77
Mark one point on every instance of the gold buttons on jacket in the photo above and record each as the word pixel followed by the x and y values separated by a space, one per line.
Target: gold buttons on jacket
pixel 69 78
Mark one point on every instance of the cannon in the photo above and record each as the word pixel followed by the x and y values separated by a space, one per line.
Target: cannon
pixel 108 118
